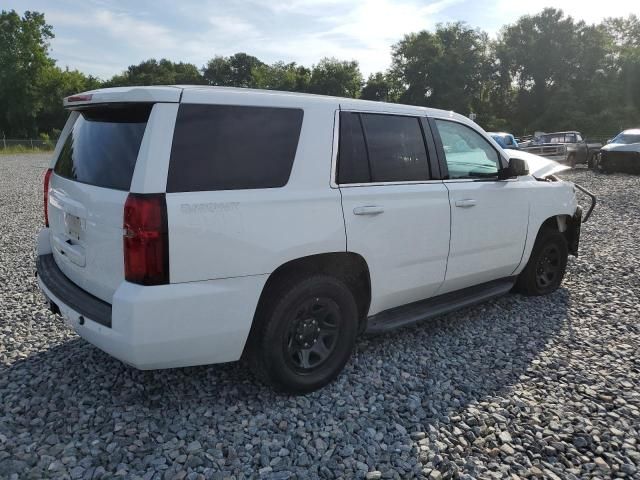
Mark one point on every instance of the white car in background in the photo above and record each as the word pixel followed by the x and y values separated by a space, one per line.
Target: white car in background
pixel 195 225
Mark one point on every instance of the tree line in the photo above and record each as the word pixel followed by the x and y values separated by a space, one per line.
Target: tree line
pixel 544 72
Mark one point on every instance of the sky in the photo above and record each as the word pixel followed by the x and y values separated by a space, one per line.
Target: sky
pixel 102 38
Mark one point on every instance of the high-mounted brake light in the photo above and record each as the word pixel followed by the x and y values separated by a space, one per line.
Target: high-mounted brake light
pixel 47 180
pixel 80 98
pixel 145 239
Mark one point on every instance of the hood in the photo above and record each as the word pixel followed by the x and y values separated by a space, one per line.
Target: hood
pixel 539 167
pixel 621 147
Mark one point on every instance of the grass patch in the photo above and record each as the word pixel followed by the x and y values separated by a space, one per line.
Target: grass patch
pixel 13 150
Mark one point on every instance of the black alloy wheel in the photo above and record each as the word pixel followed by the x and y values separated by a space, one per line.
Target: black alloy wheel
pixel 548 266
pixel 313 333
pixel 304 333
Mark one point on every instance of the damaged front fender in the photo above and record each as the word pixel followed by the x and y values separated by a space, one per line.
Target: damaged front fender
pixel 539 167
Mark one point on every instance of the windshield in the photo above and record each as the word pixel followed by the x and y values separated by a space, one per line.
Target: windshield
pixel 558 138
pixel 627 138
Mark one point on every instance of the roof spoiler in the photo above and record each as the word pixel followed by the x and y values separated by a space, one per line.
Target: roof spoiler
pixel 164 94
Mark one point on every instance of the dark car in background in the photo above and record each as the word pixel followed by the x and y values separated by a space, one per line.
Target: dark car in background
pixel 622 153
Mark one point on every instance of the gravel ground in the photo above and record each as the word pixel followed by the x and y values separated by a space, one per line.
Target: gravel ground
pixel 518 387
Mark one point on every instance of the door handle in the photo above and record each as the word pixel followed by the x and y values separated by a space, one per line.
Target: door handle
pixel 466 203
pixel 368 210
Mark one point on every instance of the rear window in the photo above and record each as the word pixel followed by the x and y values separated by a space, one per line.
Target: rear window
pixel 381 148
pixel 397 152
pixel 103 145
pixel 226 147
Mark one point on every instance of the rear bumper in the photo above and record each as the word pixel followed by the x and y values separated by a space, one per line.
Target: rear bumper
pixel 59 286
pixel 163 326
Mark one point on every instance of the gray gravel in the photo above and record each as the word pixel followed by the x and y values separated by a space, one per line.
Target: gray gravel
pixel 520 387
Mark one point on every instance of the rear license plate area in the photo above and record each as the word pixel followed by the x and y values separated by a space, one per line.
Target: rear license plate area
pixel 73 226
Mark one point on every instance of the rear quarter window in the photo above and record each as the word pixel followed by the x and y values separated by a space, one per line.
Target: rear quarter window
pixel 228 147
pixel 103 145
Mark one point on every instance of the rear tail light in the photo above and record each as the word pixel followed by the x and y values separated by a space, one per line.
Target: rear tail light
pixel 146 240
pixel 47 180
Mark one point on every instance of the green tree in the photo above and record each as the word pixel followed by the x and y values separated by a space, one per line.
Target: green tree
pixel 153 72
pixel 334 77
pixel 442 69
pixel 562 74
pixel 379 87
pixel 233 71
pixel 287 77
pixel 625 34
pixel 24 50
pixel 540 53
pixel 55 84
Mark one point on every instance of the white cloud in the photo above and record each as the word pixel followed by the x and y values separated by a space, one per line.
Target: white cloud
pixel 123 28
pixel 235 26
pixel 364 32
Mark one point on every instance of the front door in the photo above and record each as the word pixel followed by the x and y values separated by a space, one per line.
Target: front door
pixel 489 217
pixel 581 149
pixel 395 215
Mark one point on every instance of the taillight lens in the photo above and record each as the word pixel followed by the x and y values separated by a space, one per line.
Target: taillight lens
pixel 47 179
pixel 146 240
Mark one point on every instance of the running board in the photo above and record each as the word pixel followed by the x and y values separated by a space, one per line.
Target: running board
pixel 399 317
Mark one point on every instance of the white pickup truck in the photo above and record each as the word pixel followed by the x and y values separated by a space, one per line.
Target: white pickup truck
pixel 195 225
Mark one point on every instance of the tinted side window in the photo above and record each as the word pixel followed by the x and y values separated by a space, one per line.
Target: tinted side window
pixel 396 148
pixel 353 161
pixel 467 153
pixel 102 148
pixel 223 147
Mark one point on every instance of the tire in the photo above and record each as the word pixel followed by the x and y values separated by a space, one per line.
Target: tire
pixel 306 331
pixel 546 266
pixel 572 161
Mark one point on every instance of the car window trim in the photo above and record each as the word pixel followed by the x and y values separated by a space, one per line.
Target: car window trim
pixel 442 161
pixel 336 147
pixel 434 158
pixel 426 136
pixel 366 146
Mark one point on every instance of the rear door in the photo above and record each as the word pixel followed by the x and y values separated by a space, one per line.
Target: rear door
pixel 396 214
pixel 489 217
pixel 91 179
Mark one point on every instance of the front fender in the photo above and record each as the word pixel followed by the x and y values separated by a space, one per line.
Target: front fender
pixel 573 232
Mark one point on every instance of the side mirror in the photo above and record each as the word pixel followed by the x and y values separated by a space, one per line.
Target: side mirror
pixel 517 168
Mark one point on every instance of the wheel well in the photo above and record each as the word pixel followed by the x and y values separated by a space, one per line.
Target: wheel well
pixel 553 223
pixel 565 225
pixel 349 267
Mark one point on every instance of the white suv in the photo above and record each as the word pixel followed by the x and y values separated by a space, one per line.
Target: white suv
pixel 197 225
